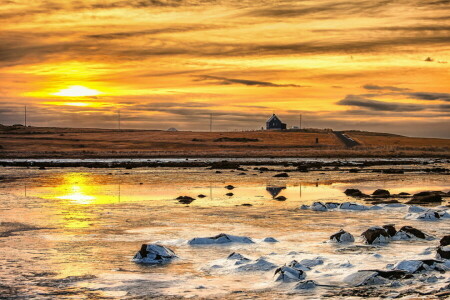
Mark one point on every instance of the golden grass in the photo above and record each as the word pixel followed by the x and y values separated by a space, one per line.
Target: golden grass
pixel 70 142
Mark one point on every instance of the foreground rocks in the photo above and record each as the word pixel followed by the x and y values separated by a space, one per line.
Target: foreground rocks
pixel 154 254
pixel 342 237
pixel 443 251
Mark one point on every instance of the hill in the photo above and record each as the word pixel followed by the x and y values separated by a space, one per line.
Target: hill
pixel 47 142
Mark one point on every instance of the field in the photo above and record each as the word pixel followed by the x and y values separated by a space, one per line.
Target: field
pixel 40 142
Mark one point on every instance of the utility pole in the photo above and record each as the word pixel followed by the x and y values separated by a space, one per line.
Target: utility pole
pixel 300 122
pixel 210 122
pixel 25 115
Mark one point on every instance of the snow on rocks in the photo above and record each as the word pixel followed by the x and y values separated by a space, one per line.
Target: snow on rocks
pixel 410 233
pixel 270 240
pixel 154 254
pixel 416 266
pixel 305 285
pixel 342 237
pixel 296 265
pixel 289 274
pixel 376 235
pixel 260 264
pixel 353 206
pixel 375 277
pixel 318 206
pixel 428 215
pixel 221 239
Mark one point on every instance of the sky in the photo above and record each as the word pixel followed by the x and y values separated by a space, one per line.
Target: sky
pixel 364 64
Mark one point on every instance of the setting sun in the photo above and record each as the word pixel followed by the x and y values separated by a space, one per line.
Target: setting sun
pixel 77 91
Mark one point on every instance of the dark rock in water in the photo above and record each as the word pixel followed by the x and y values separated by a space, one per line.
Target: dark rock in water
pixel 425 197
pixel 280 198
pixel 404 194
pixel 381 193
pixel 42 168
pixel 229 187
pixel 240 174
pixel 154 254
pixel 354 193
pixel 281 175
pixel 353 171
pixel 445 241
pixel 221 239
pixel 246 204
pixel 302 169
pixel 342 237
pixel 229 194
pixel 185 199
pixel 270 240
pixel 443 252
pixel 201 196
pixel 289 274
pixel 375 235
pixel 393 171
pixel 218 172
pixel 390 229
pixel 411 232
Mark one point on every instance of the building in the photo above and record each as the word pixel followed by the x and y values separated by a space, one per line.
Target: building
pixel 275 123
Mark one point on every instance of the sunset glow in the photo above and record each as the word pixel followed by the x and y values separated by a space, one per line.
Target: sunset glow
pixel 365 65
pixel 77 91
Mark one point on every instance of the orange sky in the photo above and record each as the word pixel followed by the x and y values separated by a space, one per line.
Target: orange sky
pixel 170 63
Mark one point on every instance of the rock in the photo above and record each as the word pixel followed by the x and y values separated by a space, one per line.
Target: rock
pixel 304 206
pixel 390 229
pixel 416 209
pixel 362 278
pixel 261 264
pixel 416 266
pixel 296 265
pixel 445 241
pixel 332 205
pixel 280 198
pixel 428 215
pixel 380 193
pixel 305 285
pixel 229 187
pixel 246 204
pixel 342 237
pixel 229 194
pixel 311 262
pixel 281 175
pixel 237 256
pixel 352 206
pixel 221 239
pixel 408 233
pixel 404 194
pixel 153 254
pixel 354 193
pixel 185 199
pixel 270 240
pixel 425 197
pixel 443 252
pixel 376 235
pixel 318 206
pixel 288 274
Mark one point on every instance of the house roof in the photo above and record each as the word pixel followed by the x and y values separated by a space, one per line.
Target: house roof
pixel 273 117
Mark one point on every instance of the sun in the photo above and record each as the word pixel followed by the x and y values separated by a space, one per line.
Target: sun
pixel 77 91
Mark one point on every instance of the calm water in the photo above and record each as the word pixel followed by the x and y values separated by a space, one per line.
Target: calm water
pixel 71 233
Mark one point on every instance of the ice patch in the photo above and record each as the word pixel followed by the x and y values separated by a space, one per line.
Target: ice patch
pixel 154 254
pixel 221 239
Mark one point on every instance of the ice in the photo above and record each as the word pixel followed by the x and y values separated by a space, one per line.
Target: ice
pixel 154 254
pixel 289 274
pixel 221 239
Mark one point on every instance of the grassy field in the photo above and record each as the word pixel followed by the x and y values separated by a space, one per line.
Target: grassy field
pixel 83 143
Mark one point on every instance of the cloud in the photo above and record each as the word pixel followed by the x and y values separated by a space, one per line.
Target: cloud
pixel 227 81
pixel 383 88
pixel 376 105
pixel 429 96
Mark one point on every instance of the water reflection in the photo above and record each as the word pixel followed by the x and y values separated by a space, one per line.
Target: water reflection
pixel 275 190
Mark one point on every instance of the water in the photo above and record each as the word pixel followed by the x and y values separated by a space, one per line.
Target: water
pixel 71 233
